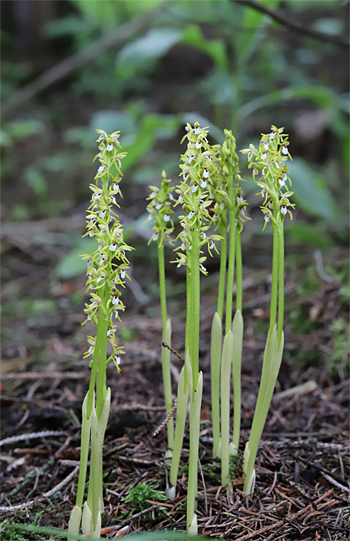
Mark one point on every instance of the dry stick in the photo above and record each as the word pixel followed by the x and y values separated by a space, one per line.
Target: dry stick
pixel 32 435
pixel 44 496
pixel 293 24
pixel 165 345
pixel 166 420
pixel 69 65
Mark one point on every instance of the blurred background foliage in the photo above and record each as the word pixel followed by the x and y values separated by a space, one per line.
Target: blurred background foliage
pixel 148 67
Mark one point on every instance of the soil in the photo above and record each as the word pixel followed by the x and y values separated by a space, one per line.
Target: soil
pixel 302 490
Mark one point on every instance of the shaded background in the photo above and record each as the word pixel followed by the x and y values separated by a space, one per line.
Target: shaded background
pixel 146 68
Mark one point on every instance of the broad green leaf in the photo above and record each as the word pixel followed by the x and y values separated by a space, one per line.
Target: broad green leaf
pixel 214 48
pixel 72 265
pixel 323 97
pixel 111 121
pixel 105 12
pixel 310 234
pixel 160 535
pixel 36 180
pixel 310 191
pixel 152 127
pixel 142 53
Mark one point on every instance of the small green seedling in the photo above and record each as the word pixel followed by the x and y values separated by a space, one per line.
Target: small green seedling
pixel 142 496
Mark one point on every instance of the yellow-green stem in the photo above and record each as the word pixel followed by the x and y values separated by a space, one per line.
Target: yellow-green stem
pixel 162 289
pixel 231 269
pixel 239 277
pixel 280 283
pixel 275 270
pixel 223 263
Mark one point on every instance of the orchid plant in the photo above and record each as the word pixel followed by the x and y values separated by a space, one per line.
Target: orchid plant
pixel 160 210
pixel 106 273
pixel 270 172
pixel 210 198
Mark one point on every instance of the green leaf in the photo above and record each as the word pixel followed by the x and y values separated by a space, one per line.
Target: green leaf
pixel 111 121
pixel 141 54
pixel 214 48
pixel 322 97
pixel 310 191
pixel 72 265
pixel 310 234
pixel 161 535
pixel 253 22
pixel 152 127
pixel 36 180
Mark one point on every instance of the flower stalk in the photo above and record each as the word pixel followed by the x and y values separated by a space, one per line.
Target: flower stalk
pixel 160 210
pixel 106 273
pixel 269 164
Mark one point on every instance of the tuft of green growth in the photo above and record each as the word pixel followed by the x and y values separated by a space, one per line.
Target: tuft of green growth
pixel 235 468
pixel 141 495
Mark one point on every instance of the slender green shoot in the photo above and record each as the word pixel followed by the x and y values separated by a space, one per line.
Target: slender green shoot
pixel 269 163
pixel 160 210
pixel 107 269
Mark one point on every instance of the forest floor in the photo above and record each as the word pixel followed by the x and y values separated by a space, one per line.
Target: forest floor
pixel 302 490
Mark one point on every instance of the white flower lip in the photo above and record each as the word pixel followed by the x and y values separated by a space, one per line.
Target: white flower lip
pixel 109 147
pixel 166 217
